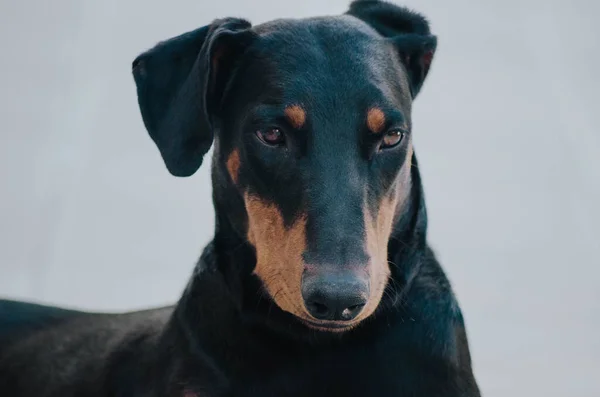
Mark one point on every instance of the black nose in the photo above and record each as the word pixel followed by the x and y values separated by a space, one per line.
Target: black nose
pixel 334 298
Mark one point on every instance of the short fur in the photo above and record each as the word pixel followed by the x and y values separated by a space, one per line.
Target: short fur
pixel 330 203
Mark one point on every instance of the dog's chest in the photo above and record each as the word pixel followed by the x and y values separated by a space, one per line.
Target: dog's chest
pixel 351 386
pixel 363 375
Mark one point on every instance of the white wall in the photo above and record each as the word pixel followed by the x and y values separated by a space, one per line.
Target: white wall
pixel 506 132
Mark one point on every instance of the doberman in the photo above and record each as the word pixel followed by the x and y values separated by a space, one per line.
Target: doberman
pixel 319 280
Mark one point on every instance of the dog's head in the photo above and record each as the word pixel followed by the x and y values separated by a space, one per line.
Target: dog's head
pixel 313 143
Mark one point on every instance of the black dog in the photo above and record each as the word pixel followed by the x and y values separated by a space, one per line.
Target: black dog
pixel 319 280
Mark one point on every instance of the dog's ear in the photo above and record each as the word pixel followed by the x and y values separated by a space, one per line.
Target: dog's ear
pixel 408 30
pixel 180 83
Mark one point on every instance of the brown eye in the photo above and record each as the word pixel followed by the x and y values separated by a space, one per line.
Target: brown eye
pixel 391 139
pixel 271 136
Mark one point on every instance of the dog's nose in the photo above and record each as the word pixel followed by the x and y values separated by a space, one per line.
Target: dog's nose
pixel 334 298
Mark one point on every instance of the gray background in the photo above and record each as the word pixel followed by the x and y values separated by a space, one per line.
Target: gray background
pixel 505 131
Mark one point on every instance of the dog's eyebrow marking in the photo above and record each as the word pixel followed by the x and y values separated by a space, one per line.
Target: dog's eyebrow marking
pixel 375 120
pixel 233 165
pixel 295 115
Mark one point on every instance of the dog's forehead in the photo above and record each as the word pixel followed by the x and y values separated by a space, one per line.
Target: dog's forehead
pixel 338 40
pixel 338 24
pixel 329 55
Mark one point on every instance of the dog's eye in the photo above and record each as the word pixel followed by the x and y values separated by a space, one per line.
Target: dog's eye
pixel 391 138
pixel 272 136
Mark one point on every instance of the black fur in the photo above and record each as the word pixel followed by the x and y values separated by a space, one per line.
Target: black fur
pixel 225 337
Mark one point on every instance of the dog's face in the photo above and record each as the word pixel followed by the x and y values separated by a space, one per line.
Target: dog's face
pixel 312 123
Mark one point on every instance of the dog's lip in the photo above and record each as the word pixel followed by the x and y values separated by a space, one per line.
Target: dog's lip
pixel 328 325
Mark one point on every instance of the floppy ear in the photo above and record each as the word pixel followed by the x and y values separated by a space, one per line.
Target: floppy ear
pixel 180 83
pixel 408 30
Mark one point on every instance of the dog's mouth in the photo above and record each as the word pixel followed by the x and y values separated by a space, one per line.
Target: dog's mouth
pixel 329 326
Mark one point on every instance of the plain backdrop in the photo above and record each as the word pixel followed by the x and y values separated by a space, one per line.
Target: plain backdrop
pixel 506 134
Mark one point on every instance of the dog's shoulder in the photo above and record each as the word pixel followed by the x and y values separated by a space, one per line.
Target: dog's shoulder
pixel 47 350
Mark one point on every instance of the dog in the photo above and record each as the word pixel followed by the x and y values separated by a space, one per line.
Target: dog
pixel 319 280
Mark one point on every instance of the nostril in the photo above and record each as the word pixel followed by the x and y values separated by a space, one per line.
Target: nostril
pixel 321 311
pixel 318 310
pixel 351 312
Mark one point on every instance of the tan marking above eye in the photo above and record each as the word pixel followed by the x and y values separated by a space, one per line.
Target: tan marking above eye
pixel 375 120
pixel 295 115
pixel 233 165
pixel 279 262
